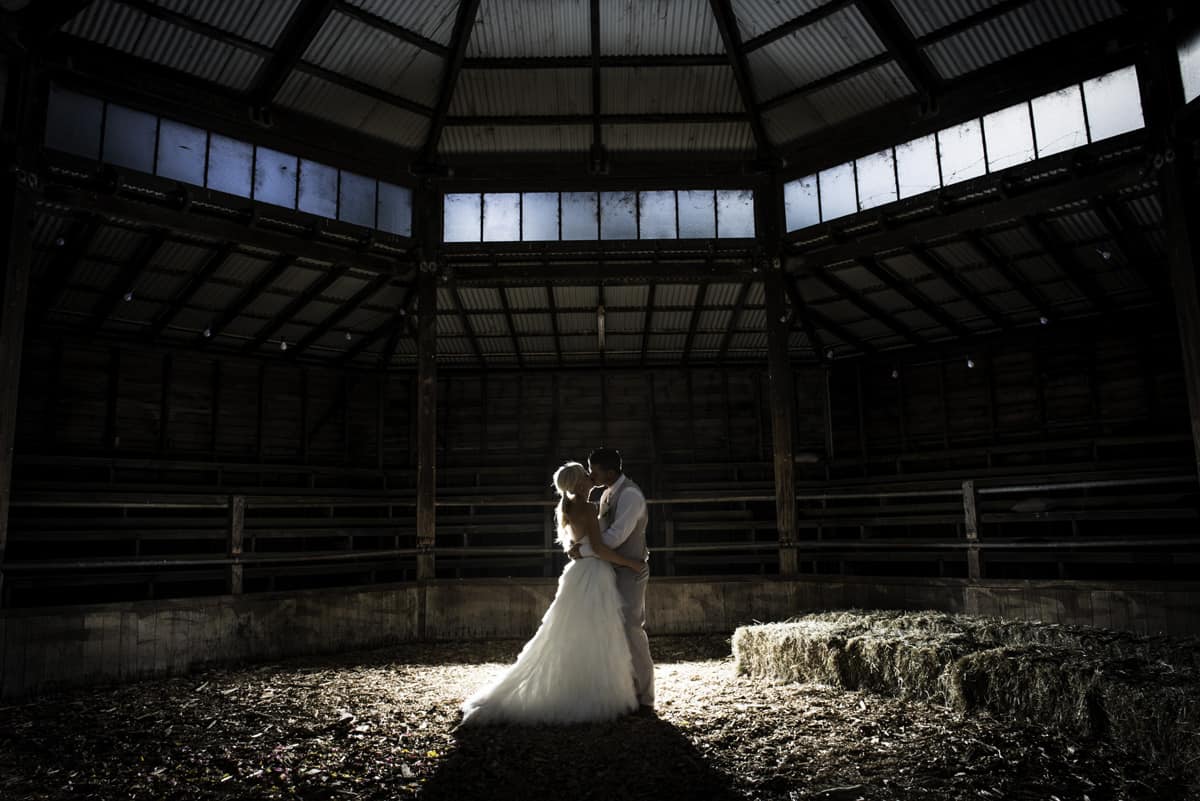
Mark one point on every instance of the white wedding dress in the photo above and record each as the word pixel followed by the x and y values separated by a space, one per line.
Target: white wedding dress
pixel 576 669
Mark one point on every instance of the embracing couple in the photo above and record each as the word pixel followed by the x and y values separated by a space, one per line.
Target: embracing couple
pixel 590 658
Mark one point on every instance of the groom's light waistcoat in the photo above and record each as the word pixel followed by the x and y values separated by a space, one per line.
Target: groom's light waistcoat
pixel 634 547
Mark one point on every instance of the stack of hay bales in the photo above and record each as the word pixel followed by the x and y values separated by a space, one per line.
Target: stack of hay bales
pixel 1140 693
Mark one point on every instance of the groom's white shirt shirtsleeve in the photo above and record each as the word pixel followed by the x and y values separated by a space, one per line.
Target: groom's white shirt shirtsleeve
pixel 629 509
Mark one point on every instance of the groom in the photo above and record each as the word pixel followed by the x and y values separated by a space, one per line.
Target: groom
pixel 623 528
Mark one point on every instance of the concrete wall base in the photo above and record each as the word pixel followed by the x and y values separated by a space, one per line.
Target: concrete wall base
pixel 69 646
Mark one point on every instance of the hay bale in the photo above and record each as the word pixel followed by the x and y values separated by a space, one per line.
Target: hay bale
pixel 1140 693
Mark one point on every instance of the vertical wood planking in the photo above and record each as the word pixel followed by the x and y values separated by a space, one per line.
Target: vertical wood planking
pixel 426 417
pixel 782 409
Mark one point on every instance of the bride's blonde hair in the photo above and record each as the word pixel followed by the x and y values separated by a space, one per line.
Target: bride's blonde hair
pixel 566 478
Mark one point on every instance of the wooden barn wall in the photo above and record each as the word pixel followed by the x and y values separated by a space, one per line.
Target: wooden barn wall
pixel 1054 383
pixel 52 648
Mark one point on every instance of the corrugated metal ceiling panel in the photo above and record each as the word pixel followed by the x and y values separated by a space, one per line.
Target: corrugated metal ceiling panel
pixel 1016 31
pixel 258 20
pixel 349 47
pixel 658 28
pixel 664 90
pixel 523 28
pixel 433 19
pixel 310 95
pixel 925 16
pixel 828 45
pixel 541 91
pixel 515 139
pixel 109 23
pixel 756 17
pixel 861 93
pixel 729 136
pixel 181 49
pixel 626 296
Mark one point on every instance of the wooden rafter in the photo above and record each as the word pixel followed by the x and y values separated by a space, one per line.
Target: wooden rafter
pixel 909 293
pixel 125 278
pixel 461 311
pixel 804 313
pixel 391 28
pixel 892 30
pixel 302 27
pixel 825 81
pixel 75 244
pixel 793 25
pixel 365 293
pixel 1006 268
pixel 195 280
pixel 463 23
pixel 934 265
pixel 1133 245
pixel 867 306
pixel 512 327
pixel 295 305
pixel 597 153
pixel 735 319
pixel 648 320
pixel 727 24
pixel 391 328
pixel 596 119
pixel 247 296
pixel 583 62
pixel 552 305
pixel 1068 264
pixel 694 321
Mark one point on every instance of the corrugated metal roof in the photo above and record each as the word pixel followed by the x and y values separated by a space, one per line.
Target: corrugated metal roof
pixel 540 91
pixel 521 28
pixel 533 323
pixel 526 297
pixel 1016 31
pixel 433 19
pixel 311 95
pixel 114 243
pixel 658 28
pixel 675 295
pixel 574 297
pixel 181 49
pixel 478 297
pixel 828 45
pixel 396 125
pixel 261 21
pixel 925 16
pixel 722 294
pixel 756 17
pixel 349 47
pixel 109 23
pixel 845 99
pixel 664 90
pixel 730 136
pixel 515 139
pixel 631 296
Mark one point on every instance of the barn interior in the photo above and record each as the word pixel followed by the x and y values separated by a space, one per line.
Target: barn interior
pixel 888 304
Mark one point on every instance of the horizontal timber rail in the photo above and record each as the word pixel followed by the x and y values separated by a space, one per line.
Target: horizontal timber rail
pixel 246 542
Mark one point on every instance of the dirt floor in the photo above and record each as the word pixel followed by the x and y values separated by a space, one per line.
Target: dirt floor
pixel 381 725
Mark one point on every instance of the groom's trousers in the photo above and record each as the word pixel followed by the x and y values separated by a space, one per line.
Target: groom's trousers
pixel 632 587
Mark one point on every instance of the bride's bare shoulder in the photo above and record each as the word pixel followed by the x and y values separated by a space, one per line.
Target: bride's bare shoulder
pixel 576 508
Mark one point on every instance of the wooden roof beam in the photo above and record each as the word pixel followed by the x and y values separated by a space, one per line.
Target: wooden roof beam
pixel 892 30
pixel 365 293
pixel 735 319
pixel 793 25
pixel 935 266
pixel 302 27
pixel 867 306
pixel 75 244
pixel 247 296
pixel 310 293
pixel 731 36
pixel 391 328
pixel 694 322
pixel 1003 266
pixel 195 280
pixel 909 293
pixel 122 283
pixel 512 326
pixel 461 311
pixel 463 24
pixel 1079 275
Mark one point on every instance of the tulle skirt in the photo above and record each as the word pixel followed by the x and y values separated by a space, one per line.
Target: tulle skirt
pixel 577 667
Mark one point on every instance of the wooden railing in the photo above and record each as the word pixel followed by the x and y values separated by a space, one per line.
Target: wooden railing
pixel 175 539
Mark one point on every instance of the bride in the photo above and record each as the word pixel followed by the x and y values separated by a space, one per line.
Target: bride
pixel 577 667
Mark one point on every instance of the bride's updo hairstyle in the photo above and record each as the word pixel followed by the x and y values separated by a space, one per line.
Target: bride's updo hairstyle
pixel 566 479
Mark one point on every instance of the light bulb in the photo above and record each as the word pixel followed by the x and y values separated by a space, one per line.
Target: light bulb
pixel 60 242
pixel 347 336
pixel 207 333
pixel 895 373
pixel 970 363
pixel 829 353
pixel 1044 320
pixel 283 344
pixel 129 296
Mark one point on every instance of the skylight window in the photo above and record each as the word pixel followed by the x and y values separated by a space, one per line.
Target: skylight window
pixel 106 132
pixel 591 216
pixel 1189 68
pixel 1103 107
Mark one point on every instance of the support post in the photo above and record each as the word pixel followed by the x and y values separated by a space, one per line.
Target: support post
pixel 16 220
pixel 782 407
pixel 426 417
pixel 237 528
pixel 971 517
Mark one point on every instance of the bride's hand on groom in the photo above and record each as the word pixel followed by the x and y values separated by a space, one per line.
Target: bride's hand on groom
pixel 574 552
